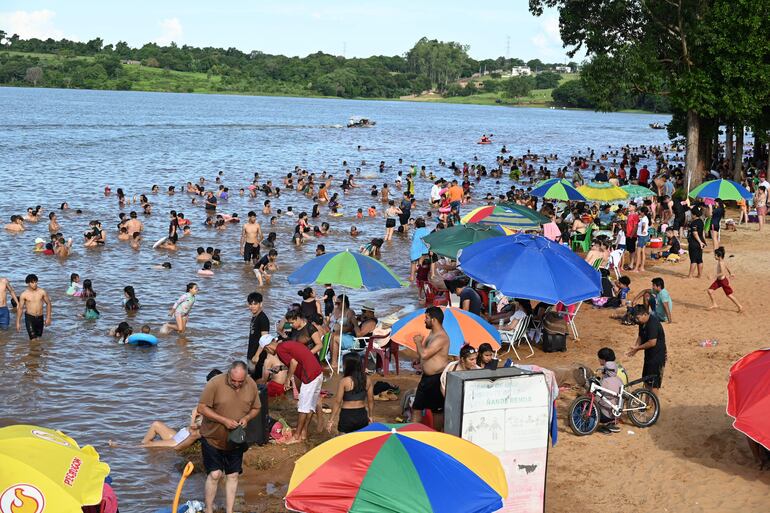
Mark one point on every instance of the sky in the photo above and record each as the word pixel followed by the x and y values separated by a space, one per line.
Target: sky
pixel 292 27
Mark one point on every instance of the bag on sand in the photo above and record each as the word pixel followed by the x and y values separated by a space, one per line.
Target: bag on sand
pixel 554 323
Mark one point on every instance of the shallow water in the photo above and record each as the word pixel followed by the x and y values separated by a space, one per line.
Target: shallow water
pixel 60 145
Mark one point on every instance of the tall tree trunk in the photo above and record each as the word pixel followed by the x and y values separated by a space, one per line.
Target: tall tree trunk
pixel 729 146
pixel 693 175
pixel 738 162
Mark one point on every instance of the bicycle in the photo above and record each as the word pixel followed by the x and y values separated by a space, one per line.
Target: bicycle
pixel 641 405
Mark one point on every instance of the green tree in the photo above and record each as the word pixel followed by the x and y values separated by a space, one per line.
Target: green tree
pixel 547 80
pixel 535 64
pixel 517 87
pixel 572 94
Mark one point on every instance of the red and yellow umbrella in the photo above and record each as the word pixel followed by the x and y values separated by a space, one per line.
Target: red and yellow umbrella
pixel 397 467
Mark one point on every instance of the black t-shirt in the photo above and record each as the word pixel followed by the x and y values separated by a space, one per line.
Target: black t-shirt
pixel 696 226
pixel 653 329
pixel 474 306
pixel 328 301
pixel 304 335
pixel 679 209
pixel 262 263
pixel 259 324
pixel 675 247
pixel 211 204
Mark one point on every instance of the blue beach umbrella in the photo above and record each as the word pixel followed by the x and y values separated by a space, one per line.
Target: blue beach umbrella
pixel 529 266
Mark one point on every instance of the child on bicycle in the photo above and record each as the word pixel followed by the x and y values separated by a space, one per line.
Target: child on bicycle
pixel 610 381
pixel 605 355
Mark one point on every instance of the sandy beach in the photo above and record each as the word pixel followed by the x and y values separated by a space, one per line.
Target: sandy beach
pixel 692 460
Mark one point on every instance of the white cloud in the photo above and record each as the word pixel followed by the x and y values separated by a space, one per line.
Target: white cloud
pixel 28 24
pixel 171 31
pixel 548 40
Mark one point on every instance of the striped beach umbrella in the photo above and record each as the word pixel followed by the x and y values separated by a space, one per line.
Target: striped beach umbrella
pixel 557 189
pixel 385 468
pixel 347 269
pixel 637 191
pixel 510 218
pixel 461 326
pixel 722 189
pixel 602 191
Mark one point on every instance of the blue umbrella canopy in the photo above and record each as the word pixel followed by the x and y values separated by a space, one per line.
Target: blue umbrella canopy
pixel 529 266
pixel 347 269
pixel 722 189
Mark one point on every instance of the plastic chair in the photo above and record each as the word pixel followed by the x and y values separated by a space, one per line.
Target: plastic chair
pixel 387 353
pixel 435 297
pixel 514 338
pixel 616 261
pixel 583 242
pixel 597 263
pixel 324 354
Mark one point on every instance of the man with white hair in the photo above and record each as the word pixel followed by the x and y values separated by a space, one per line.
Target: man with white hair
pixel 228 401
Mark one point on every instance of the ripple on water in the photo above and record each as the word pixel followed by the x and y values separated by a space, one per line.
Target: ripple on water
pixel 60 145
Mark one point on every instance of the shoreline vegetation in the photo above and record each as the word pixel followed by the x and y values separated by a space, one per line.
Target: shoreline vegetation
pixel 431 71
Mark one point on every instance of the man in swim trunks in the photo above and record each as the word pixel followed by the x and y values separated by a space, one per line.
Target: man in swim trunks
pixel 31 303
pixel 251 238
pixel 5 289
pixel 434 356
pixel 134 225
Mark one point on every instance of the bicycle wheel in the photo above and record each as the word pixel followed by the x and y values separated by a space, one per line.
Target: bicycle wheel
pixel 583 416
pixel 649 415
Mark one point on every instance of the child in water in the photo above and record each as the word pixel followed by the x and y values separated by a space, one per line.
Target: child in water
pixel 75 289
pixel 91 313
pixel 206 270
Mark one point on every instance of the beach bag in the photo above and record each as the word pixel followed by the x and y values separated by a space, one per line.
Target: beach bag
pixel 554 323
pixel 553 342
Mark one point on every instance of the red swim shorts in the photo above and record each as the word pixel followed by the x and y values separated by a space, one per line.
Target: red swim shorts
pixel 275 389
pixel 723 284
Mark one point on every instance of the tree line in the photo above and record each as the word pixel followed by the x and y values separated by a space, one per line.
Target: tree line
pixel 710 60
pixel 428 65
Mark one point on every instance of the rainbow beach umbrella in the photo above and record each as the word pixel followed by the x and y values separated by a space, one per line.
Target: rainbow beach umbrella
pixel 385 468
pixel 44 470
pixel 557 189
pixel 722 189
pixel 510 218
pixel 461 326
pixel 602 191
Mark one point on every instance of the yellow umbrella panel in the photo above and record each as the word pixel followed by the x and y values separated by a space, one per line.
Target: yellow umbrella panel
pixel 43 470
pixel 601 191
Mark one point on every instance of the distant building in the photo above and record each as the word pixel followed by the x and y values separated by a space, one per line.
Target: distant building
pixel 521 71
pixel 563 69
pixel 129 61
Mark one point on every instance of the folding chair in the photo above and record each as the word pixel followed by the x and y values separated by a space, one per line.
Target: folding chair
pixel 324 354
pixel 616 261
pixel 513 338
pixel 435 297
pixel 570 316
pixel 358 347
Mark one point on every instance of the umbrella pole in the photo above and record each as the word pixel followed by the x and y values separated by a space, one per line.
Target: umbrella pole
pixel 185 474
pixel 342 324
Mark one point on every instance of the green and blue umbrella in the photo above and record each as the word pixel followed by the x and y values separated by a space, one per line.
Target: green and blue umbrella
pixel 449 241
pixel 384 468
pixel 557 189
pixel 637 191
pixel 347 269
pixel 722 189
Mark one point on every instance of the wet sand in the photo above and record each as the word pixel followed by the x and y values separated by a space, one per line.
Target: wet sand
pixel 692 460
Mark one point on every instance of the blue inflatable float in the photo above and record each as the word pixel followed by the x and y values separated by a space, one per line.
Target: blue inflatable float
pixel 142 339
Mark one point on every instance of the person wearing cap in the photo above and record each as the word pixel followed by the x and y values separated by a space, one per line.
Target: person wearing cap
pixel 610 381
pixel 304 365
pixel 39 245
pixel 467 361
pixel 367 321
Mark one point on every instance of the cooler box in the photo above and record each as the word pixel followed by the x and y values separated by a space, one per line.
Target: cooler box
pixel 655 243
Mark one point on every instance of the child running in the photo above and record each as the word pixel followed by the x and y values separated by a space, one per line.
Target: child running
pixel 721 281
pixel 180 310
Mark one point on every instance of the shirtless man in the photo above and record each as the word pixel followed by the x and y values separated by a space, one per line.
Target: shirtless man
pixel 31 302
pixel 16 225
pixel 5 289
pixel 251 238
pixel 134 225
pixel 434 356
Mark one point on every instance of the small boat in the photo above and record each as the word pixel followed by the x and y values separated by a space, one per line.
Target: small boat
pixel 657 126
pixel 358 122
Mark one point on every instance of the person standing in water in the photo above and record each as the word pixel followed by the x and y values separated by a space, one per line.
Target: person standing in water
pixel 31 303
pixel 251 238
pixel 5 289
pixel 180 310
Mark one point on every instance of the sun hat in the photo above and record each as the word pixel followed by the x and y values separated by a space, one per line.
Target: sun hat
pixel 367 306
pixel 39 240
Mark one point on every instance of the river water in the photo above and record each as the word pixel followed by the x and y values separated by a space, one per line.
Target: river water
pixel 62 145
